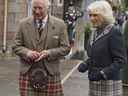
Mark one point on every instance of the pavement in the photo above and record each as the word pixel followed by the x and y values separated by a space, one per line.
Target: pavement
pixel 8 77
pixel 77 83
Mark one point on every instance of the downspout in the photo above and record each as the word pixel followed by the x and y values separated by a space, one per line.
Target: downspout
pixel 4 49
pixel 52 7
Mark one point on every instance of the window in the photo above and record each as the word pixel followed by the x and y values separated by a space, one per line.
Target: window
pixel 60 2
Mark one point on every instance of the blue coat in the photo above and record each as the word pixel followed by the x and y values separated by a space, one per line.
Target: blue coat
pixel 107 53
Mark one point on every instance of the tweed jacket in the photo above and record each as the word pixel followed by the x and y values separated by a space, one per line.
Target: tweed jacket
pixel 53 38
pixel 107 53
pixel 125 34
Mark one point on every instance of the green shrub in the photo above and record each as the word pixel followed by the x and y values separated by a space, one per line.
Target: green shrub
pixel 87 33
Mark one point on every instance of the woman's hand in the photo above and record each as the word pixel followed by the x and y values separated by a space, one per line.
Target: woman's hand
pixel 82 67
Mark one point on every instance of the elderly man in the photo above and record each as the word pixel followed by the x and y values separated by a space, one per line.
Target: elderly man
pixel 40 42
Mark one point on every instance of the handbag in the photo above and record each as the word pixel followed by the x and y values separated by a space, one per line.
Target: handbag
pixel 38 76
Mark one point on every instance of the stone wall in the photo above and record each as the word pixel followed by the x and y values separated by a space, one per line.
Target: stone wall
pixel 55 9
pixel 17 9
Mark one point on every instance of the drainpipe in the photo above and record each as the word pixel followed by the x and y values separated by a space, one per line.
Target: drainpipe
pixel 52 7
pixel 4 49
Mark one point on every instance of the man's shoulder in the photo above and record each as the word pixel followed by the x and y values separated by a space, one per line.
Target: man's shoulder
pixel 57 20
pixel 26 19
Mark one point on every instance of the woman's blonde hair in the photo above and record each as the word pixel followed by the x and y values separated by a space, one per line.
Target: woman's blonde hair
pixel 103 8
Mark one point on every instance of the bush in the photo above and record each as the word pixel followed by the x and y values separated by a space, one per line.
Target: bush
pixel 87 33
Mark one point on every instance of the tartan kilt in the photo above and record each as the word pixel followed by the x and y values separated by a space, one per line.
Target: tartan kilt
pixel 54 87
pixel 105 88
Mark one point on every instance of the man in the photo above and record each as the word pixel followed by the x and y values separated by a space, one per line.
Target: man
pixel 40 41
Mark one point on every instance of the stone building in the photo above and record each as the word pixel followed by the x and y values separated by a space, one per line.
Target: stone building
pixel 10 13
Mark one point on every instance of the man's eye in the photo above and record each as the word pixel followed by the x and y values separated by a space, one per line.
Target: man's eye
pixel 40 8
pixel 94 15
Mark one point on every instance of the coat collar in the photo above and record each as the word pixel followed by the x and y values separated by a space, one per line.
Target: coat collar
pixel 105 32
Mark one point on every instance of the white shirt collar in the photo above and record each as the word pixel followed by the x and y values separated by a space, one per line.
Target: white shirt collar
pixel 44 21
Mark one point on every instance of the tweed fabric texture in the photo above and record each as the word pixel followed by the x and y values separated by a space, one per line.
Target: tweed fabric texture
pixel 54 87
pixel 105 88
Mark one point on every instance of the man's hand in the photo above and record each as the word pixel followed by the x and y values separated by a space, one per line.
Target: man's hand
pixel 32 55
pixel 43 54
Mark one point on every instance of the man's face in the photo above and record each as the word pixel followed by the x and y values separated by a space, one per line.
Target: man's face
pixel 39 9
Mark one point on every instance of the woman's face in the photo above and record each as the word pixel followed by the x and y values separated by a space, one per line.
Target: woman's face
pixel 96 19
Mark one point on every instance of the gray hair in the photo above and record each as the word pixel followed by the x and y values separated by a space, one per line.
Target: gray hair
pixel 103 8
pixel 46 2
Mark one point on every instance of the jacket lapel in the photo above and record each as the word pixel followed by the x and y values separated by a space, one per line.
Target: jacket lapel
pixel 32 32
pixel 46 31
pixel 105 32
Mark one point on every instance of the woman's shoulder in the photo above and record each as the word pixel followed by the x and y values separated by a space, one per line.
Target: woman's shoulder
pixel 115 30
pixel 115 33
pixel 112 29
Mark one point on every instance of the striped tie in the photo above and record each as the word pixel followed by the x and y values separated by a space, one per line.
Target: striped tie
pixel 40 27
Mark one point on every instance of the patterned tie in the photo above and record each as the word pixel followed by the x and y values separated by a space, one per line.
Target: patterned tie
pixel 40 27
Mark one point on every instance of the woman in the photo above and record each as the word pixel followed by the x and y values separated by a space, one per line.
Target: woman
pixel 125 34
pixel 105 50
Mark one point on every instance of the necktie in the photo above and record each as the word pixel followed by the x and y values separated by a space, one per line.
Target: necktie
pixel 40 27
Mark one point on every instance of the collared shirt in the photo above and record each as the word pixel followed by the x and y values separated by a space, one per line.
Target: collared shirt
pixel 42 24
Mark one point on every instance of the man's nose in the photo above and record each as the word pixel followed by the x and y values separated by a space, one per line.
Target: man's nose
pixel 37 11
pixel 92 17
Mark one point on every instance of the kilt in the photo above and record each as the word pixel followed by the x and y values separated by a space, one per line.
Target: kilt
pixel 54 87
pixel 105 88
